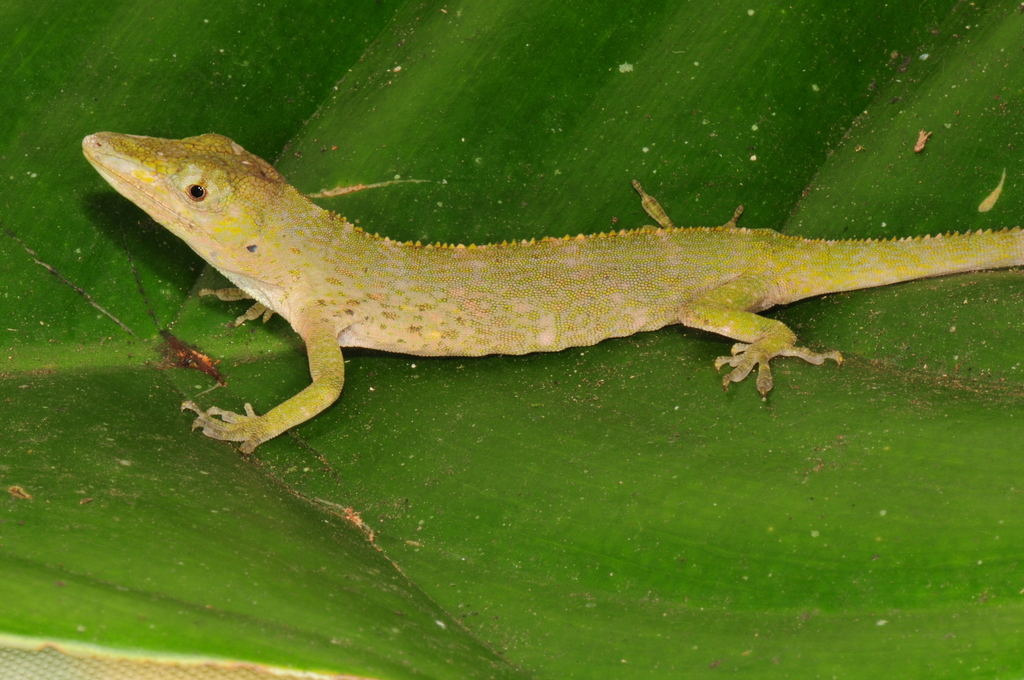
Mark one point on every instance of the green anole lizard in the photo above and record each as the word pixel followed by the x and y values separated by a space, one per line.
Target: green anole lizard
pixel 341 287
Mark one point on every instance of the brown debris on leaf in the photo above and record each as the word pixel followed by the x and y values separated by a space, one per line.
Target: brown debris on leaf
pixel 181 355
pixel 19 492
pixel 922 139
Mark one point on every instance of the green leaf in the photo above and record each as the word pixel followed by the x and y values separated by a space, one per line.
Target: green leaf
pixel 601 512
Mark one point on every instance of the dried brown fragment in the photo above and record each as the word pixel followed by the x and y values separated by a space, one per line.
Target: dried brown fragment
pixel 183 356
pixel 922 139
pixel 19 492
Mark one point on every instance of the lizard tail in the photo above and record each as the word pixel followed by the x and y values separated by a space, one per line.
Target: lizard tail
pixel 832 266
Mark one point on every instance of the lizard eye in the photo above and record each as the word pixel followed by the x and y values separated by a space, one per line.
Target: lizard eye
pixel 196 192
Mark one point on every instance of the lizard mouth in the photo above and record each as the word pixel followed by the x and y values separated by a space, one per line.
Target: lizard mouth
pixel 133 180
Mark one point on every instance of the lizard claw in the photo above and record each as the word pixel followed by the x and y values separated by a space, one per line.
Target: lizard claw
pixel 746 356
pixel 743 362
pixel 230 426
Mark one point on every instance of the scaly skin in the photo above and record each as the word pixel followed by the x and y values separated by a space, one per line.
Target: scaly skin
pixel 341 287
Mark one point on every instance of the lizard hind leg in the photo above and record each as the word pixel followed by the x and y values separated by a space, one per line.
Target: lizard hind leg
pixel 731 224
pixel 760 352
pixel 723 311
pixel 658 214
pixel 653 208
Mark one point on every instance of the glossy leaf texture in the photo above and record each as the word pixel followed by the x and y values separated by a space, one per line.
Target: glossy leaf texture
pixel 603 512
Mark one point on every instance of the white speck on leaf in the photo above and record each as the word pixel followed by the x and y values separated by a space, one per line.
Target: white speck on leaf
pixel 625 68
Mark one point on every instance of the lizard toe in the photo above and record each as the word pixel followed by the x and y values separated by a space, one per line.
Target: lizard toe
pixel 739 348
pixel 227 425
pixel 764 379
pixel 816 358
pixel 742 367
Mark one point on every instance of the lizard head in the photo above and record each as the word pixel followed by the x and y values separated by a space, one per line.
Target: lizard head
pixel 207 190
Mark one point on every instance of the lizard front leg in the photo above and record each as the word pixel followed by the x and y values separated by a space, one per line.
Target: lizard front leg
pixel 327 367
pixel 233 294
pixel 724 311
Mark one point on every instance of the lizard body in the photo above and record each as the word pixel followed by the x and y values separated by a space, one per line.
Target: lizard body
pixel 339 286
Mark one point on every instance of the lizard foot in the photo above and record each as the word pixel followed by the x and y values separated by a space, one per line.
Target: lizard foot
pixel 231 426
pixel 746 356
